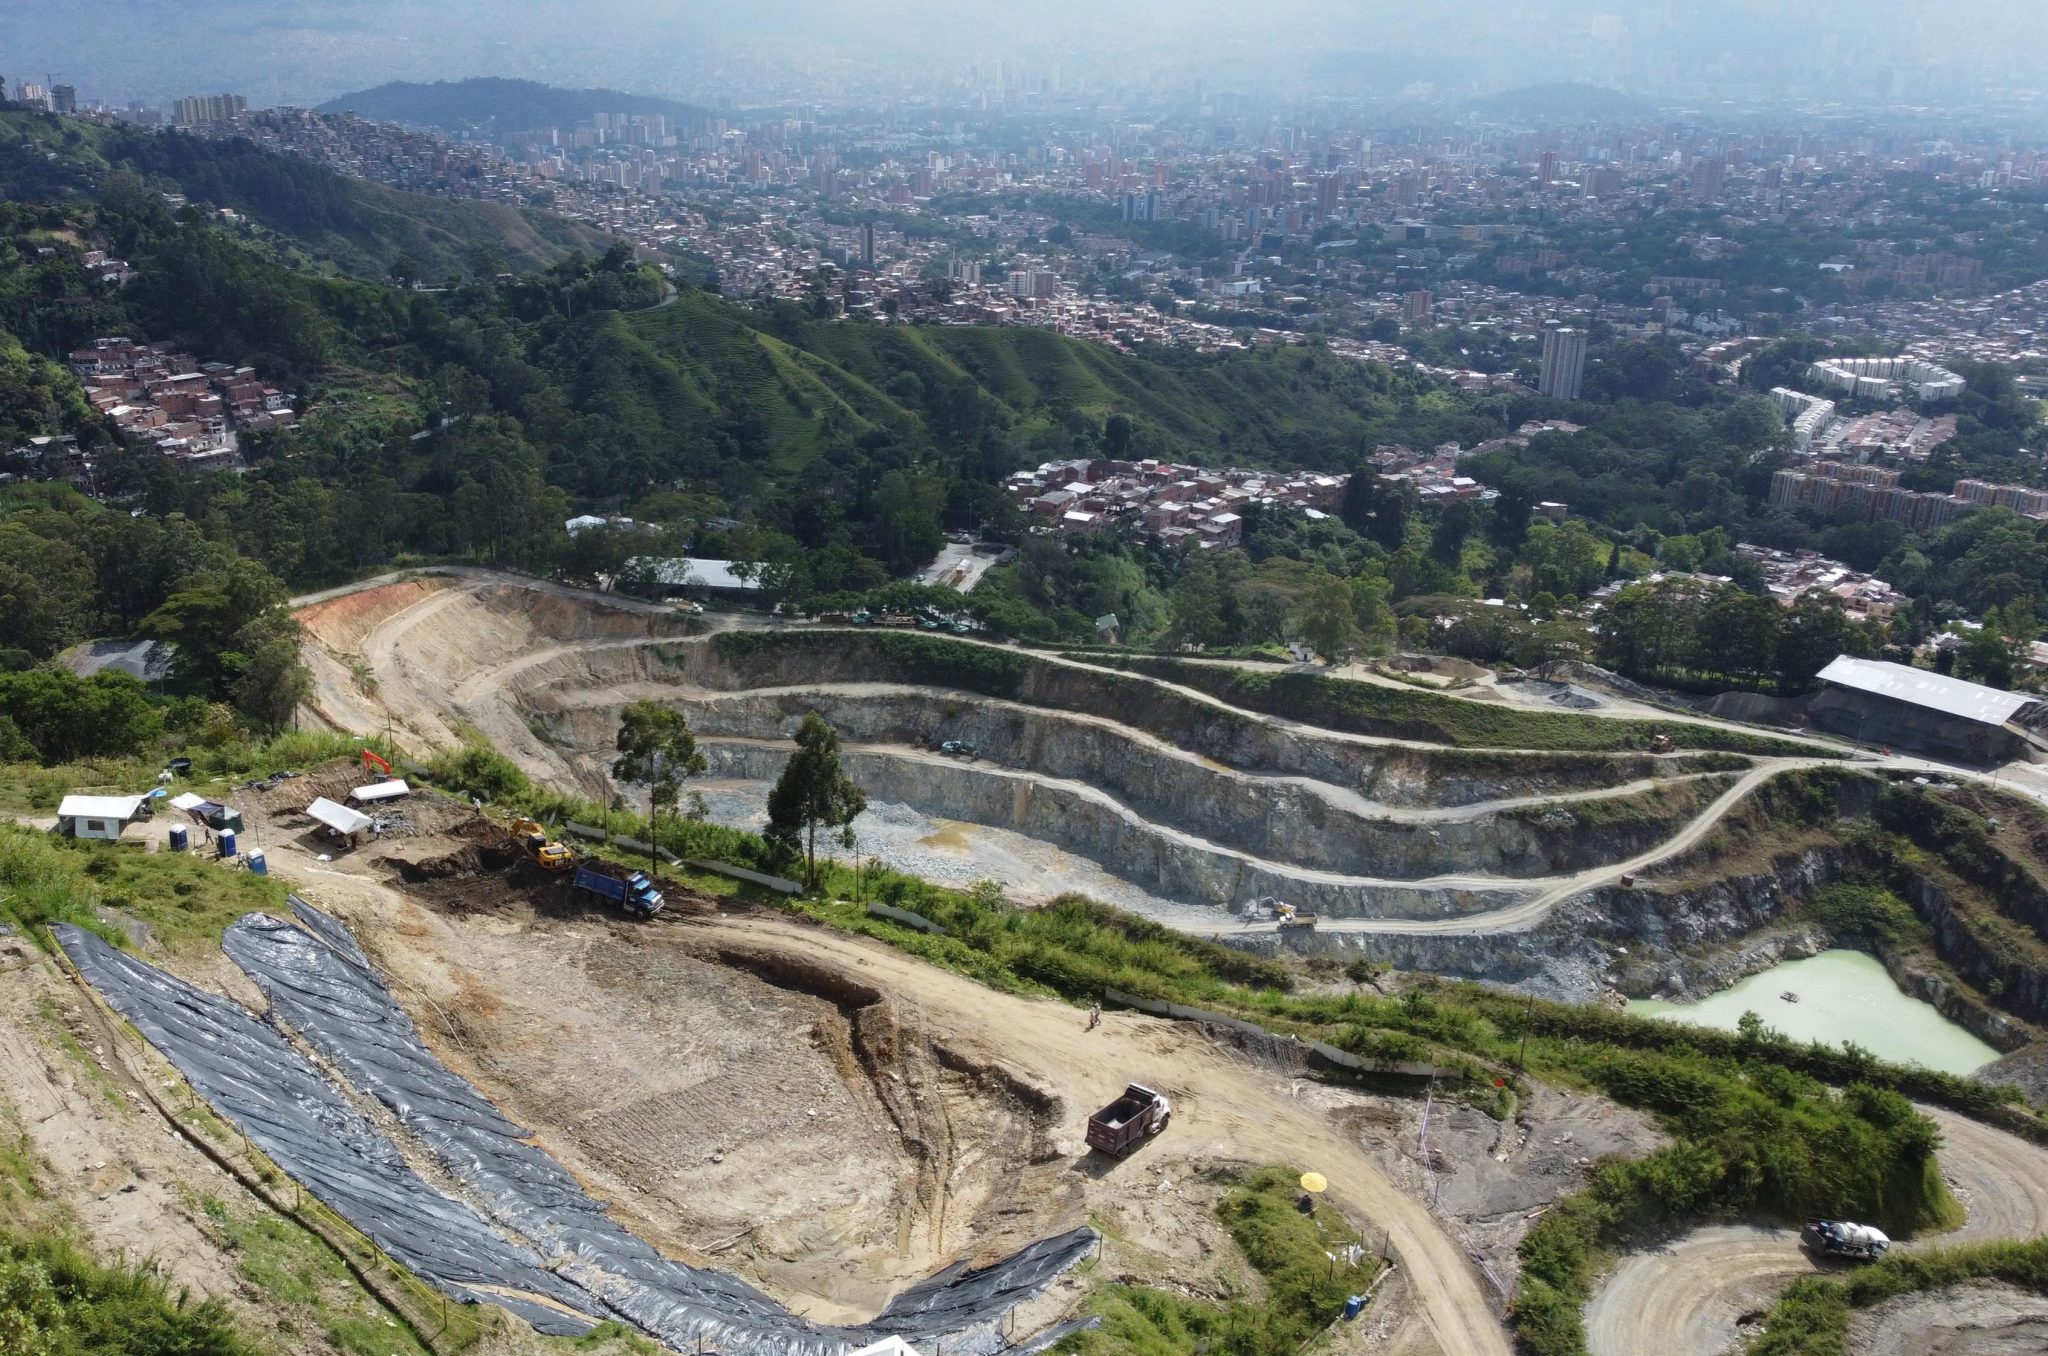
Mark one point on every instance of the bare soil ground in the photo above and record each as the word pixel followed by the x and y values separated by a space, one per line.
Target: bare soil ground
pixel 1490 1180
pixel 832 1118
pixel 1977 1320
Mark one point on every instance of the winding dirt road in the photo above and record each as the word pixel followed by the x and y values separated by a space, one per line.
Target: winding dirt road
pixel 1686 1297
pixel 428 679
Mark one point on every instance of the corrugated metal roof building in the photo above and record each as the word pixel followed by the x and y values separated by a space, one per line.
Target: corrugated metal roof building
pixel 1875 702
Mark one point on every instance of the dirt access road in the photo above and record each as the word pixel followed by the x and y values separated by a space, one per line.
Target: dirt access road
pixel 1687 1297
pixel 1227 1107
pixel 1224 1107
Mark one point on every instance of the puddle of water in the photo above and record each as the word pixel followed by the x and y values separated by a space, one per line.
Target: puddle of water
pixel 1843 996
pixel 949 836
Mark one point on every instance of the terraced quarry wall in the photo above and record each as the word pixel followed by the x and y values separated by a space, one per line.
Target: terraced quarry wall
pixel 1168 862
pixel 1292 818
pixel 1172 789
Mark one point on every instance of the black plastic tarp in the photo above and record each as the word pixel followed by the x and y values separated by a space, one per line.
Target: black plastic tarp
pixel 254 1078
pixel 534 1241
pixel 321 985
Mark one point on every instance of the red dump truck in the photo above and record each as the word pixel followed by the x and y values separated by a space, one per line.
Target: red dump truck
pixel 1137 1115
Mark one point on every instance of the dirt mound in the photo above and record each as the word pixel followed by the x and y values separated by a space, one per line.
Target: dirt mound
pixel 746 1105
pixel 466 863
pixel 342 624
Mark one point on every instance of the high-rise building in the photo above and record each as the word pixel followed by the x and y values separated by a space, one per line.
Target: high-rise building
pixel 1418 308
pixel 1706 178
pixel 63 99
pixel 867 246
pixel 1564 363
pixel 203 110
pixel 1546 166
pixel 1328 188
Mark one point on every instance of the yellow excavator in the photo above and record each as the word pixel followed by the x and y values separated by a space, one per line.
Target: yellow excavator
pixel 550 853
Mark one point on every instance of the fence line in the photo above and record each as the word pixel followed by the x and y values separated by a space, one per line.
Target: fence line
pixel 421 1308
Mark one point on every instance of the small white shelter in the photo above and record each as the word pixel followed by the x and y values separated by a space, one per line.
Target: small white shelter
pixel 343 821
pixel 379 791
pixel 102 817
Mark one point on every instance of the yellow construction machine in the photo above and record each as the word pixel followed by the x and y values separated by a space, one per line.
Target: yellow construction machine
pixel 552 854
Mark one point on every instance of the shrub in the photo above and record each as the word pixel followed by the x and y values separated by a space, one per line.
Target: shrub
pixel 479 770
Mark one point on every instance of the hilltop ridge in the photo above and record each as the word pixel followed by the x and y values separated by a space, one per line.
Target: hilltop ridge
pixel 482 101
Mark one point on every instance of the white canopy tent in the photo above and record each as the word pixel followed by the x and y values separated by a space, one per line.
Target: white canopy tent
pixel 340 818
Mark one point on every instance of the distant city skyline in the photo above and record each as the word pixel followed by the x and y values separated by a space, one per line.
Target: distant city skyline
pixel 1876 52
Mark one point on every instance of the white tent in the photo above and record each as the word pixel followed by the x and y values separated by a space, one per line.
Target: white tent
pixel 188 801
pixel 340 818
pixel 377 791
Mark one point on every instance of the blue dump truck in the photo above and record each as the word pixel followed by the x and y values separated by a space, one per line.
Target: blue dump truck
pixel 630 890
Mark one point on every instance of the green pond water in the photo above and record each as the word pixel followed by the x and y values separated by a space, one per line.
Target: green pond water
pixel 1843 996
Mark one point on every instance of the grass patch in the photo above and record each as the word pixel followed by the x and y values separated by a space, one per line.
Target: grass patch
pixel 1305 1289
pixel 34 789
pixel 297 1273
pixel 186 900
pixel 56 1299
pixel 1812 1316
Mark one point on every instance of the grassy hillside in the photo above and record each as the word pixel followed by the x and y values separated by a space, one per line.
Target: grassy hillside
pixel 806 381
pixel 340 223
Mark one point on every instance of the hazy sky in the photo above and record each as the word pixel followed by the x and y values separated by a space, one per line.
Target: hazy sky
pixel 308 50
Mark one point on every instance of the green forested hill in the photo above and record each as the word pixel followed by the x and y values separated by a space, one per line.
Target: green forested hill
pixel 485 101
pixel 344 224
pixel 470 421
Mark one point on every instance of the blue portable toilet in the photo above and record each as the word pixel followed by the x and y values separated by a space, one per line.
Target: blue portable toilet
pixel 227 844
pixel 256 862
pixel 181 838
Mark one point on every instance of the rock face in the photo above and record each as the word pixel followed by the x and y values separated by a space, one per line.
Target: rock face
pixel 1293 819
pixel 2021 988
pixel 1231 807
pixel 1588 944
pixel 1087 823
pixel 1388 773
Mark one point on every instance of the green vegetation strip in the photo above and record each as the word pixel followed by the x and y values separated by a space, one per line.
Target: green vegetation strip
pixel 57 1300
pixel 1812 1317
pixel 1302 1261
pixel 1407 713
pixel 186 900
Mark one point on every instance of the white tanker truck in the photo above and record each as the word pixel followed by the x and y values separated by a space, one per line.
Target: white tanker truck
pixel 1845 1241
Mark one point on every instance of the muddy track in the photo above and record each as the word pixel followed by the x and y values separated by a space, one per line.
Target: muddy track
pixel 1686 1297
